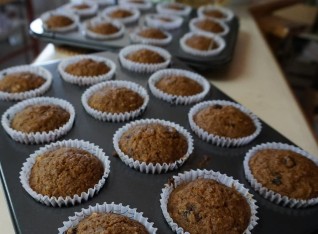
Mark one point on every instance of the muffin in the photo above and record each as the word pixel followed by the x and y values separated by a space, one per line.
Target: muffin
pixel 58 21
pixel 104 28
pixel 145 56
pixel 139 4
pixel 210 26
pixel 152 33
pixel 163 21
pixel 201 42
pixel 87 68
pixel 81 6
pixel 173 8
pixel 215 12
pixel 124 14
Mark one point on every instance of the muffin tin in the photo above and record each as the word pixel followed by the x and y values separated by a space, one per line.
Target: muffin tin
pixel 128 186
pixel 77 38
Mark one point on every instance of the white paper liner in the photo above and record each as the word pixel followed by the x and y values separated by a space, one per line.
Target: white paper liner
pixel 206 174
pixel 229 14
pixel 152 20
pixel 220 140
pixel 152 168
pixel 143 67
pixel 40 71
pixel 136 38
pixel 44 17
pixel 103 3
pixel 162 9
pixel 175 99
pixel 120 209
pixel 93 7
pixel 194 28
pixel 219 41
pixel 127 20
pixel 270 194
pixel 98 20
pixel 141 6
pixel 86 80
pixel 112 117
pixel 37 137
pixel 68 200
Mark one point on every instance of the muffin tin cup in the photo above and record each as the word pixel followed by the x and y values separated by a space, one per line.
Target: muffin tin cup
pixel 98 20
pixel 194 28
pixel 92 10
pixel 86 80
pixel 217 39
pixel 175 99
pixel 152 20
pixel 40 71
pixel 44 17
pixel 162 9
pixel 270 194
pixel 136 38
pixel 220 140
pixel 151 167
pixel 37 137
pixel 108 208
pixel 112 117
pixel 143 67
pixel 69 200
pixel 141 6
pixel 227 12
pixel 192 175
pixel 127 20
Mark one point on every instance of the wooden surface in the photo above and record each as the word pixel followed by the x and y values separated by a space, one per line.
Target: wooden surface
pixel 253 79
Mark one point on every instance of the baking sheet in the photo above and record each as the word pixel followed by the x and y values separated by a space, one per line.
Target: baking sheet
pixel 128 186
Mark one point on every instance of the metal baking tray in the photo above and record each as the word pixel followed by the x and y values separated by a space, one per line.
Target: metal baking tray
pixel 131 187
pixel 77 38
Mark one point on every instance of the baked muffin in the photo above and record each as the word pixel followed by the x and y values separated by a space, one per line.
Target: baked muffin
pixel 58 21
pixel 20 82
pixel 214 13
pixel 174 6
pixel 152 33
pixel 104 28
pixel 153 143
pixel 209 26
pixel 206 206
pixel 115 100
pixel 164 19
pixel 81 6
pixel 145 56
pixel 65 172
pixel 120 14
pixel 107 223
pixel 87 68
pixel 285 172
pixel 40 118
pixel 202 43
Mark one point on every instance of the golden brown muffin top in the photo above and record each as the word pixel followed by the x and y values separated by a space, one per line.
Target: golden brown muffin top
pixel 152 33
pixel 179 85
pixel 115 100
pixel 286 172
pixel 214 13
pixel 104 28
pixel 20 82
pixel 145 56
pixel 107 223
pixel 175 7
pixel 226 121
pixel 206 206
pixel 65 172
pixel 58 21
pixel 87 68
pixel 153 143
pixel 210 26
pixel 40 118
pixel 201 43
pixel 120 13
pixel 81 6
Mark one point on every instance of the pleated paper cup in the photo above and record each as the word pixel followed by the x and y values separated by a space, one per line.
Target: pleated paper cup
pixel 37 137
pixel 40 71
pixel 137 38
pixel 203 53
pixel 194 28
pixel 91 10
pixel 192 175
pixel 104 3
pixel 227 12
pixel 221 140
pixel 152 167
pixel 127 20
pixel 270 194
pixel 143 67
pixel 68 200
pixel 153 20
pixel 86 80
pixel 162 8
pixel 44 17
pixel 141 6
pixel 175 99
pixel 115 117
pixel 112 208
pixel 97 21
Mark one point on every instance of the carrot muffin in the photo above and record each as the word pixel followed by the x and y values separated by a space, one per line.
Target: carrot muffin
pixel 215 13
pixel 200 42
pixel 152 33
pixel 40 118
pixel 206 206
pixel 104 28
pixel 58 21
pixel 285 172
pixel 65 172
pixel 145 56
pixel 120 14
pixel 108 223
pixel 153 143
pixel 20 82
pixel 87 68
pixel 209 26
